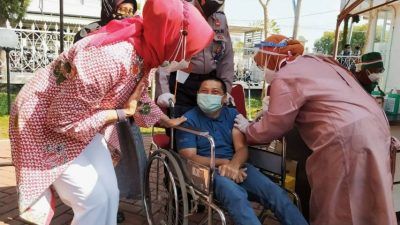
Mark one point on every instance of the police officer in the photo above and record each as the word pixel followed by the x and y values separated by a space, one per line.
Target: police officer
pixel 110 9
pixel 214 61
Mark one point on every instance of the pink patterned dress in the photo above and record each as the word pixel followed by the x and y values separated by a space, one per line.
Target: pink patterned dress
pixel 59 111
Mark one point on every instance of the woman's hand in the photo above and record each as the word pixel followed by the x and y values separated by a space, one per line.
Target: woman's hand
pixel 131 105
pixel 166 122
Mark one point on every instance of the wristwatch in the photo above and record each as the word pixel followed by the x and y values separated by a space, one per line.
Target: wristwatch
pixel 121 115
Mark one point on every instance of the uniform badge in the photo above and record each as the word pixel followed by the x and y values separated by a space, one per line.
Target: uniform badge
pixel 217 23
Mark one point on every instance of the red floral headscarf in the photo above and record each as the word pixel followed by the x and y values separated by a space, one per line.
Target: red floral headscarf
pixel 157 35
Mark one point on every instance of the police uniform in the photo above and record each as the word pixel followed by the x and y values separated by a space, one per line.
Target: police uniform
pixel 91 27
pixel 216 60
pixel 108 13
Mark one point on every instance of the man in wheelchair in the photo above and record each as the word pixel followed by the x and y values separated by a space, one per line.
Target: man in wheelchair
pixel 234 178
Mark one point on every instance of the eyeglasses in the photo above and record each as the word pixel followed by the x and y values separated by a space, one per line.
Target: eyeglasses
pixel 126 11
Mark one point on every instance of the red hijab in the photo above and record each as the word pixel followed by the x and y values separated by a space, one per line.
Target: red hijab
pixel 156 36
pixel 293 49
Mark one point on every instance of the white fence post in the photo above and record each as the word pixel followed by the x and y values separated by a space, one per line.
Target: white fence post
pixel 38 46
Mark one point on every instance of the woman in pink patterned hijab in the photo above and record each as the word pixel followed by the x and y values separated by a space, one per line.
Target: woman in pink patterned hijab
pixel 62 122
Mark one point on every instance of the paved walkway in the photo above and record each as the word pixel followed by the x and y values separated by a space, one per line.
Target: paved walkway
pixel 133 210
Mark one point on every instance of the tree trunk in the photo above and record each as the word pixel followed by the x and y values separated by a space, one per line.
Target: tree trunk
pixel 266 19
pixel 296 19
pixel 345 32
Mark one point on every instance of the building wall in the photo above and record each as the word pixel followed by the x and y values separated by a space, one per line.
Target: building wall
pixel 393 67
pixel 85 8
pixel 390 51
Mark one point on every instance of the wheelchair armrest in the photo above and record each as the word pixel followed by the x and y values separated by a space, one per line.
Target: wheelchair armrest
pixel 265 160
pixel 201 134
pixel 212 148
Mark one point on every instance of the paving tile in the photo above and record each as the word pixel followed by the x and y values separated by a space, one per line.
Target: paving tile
pixel 133 210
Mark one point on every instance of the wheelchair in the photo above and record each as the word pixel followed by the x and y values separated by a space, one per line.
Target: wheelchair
pixel 174 187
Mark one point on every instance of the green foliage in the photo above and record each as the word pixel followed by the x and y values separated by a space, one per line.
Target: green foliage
pixel 12 10
pixel 325 43
pixel 273 27
pixel 239 44
pixel 4 104
pixel 254 107
pixel 147 130
pixel 359 36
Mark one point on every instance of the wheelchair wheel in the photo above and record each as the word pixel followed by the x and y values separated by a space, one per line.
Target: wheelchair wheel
pixel 165 196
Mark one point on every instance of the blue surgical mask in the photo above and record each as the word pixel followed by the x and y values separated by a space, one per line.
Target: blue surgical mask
pixel 209 103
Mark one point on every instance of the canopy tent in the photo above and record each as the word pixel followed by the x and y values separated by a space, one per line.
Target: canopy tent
pixel 350 8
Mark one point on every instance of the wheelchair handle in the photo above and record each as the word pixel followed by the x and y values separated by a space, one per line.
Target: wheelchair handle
pixel 171 103
pixel 171 115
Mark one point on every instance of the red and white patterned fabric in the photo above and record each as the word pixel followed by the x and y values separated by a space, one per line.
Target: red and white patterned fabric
pixel 59 111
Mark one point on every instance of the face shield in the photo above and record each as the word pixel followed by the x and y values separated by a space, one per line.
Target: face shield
pixel 360 65
pixel 271 59
pixel 372 76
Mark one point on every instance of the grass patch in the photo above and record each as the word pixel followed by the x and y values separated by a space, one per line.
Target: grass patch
pixel 144 130
pixel 4 127
pixel 255 106
pixel 4 103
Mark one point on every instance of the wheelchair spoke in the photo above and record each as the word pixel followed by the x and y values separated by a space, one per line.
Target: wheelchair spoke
pixel 165 199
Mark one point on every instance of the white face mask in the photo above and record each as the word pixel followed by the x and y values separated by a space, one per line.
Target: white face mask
pixel 374 77
pixel 269 74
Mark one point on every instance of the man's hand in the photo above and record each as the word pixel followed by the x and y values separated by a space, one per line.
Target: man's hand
pixel 233 172
pixel 242 175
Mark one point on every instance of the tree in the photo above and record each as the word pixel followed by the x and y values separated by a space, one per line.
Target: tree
pixel 296 9
pixel 325 43
pixel 12 10
pixel 358 37
pixel 273 26
pixel 266 18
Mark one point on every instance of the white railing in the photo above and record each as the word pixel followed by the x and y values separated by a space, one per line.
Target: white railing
pixel 37 47
pixel 348 61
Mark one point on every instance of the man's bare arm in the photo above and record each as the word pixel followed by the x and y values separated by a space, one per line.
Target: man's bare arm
pixel 233 168
pixel 240 147
pixel 191 153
